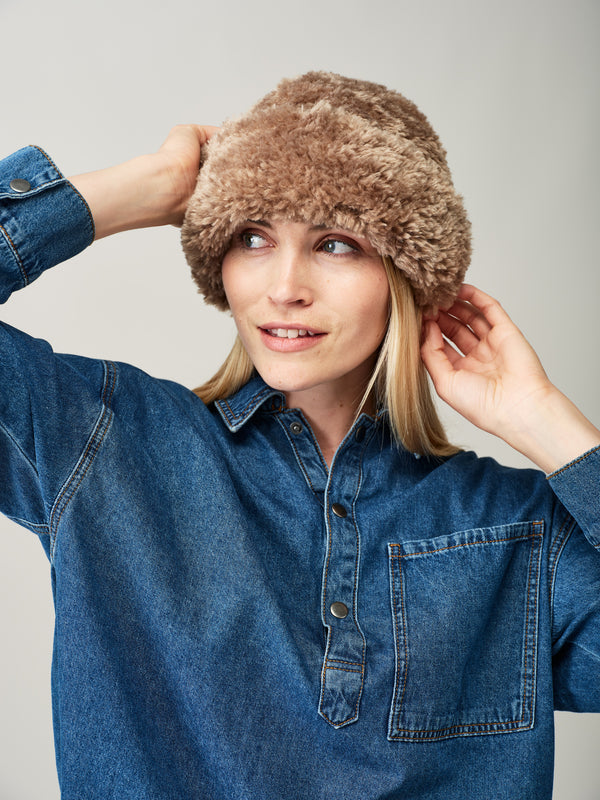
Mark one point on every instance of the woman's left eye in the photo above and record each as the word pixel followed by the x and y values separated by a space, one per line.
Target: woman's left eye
pixel 337 247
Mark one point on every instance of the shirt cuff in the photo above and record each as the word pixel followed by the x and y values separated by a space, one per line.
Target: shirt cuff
pixel 43 219
pixel 577 486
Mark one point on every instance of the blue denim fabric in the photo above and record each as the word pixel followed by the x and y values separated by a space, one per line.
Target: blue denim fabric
pixel 196 553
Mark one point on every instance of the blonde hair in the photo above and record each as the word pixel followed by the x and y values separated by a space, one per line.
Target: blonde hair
pixel 399 381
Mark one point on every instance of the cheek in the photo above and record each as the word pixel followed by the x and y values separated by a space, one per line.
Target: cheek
pixel 237 286
pixel 375 310
pixel 228 279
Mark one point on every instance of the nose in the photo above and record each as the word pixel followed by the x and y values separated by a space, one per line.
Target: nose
pixel 290 282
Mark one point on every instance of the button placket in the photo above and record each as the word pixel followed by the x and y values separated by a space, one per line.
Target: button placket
pixel 342 670
pixel 343 664
pixel 339 610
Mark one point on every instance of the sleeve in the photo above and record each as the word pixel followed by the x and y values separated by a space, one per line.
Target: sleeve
pixel 43 219
pixel 48 402
pixel 575 589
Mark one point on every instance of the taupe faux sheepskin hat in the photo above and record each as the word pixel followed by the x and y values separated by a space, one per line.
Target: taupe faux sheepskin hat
pixel 339 152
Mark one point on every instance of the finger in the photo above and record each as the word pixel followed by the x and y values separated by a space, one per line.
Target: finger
pixel 205 132
pixel 430 312
pixel 470 316
pixel 438 356
pixel 453 355
pixel 485 303
pixel 182 135
pixel 457 332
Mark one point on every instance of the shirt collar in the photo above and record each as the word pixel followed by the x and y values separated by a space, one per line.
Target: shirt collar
pixel 237 409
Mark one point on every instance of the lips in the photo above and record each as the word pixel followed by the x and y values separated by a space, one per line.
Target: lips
pixel 290 330
pixel 289 333
pixel 289 338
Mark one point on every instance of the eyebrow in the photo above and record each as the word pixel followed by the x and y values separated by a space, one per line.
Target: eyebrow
pixel 266 224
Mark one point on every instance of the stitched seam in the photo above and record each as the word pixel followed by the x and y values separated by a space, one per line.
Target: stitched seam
pixel 92 447
pixel 50 161
pixel 514 723
pixel 326 659
pixel 527 633
pixel 326 575
pixel 324 591
pixel 347 719
pixel 357 558
pixel 559 545
pixel 40 527
pixel 339 724
pixel 469 544
pixel 495 726
pixel 87 457
pixel 307 427
pixel 229 411
pixel 343 661
pixel 557 542
pixel 347 669
pixel 526 654
pixel 518 723
pixel 356 569
pixel 582 457
pixel 87 208
pixel 298 456
pixel 20 264
pixel 404 636
pixel 323 612
pixel 253 403
pixel 37 526
pixel 396 634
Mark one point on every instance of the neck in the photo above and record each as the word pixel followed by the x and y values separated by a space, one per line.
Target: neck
pixel 330 414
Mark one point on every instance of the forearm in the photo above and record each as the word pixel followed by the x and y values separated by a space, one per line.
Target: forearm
pixel 551 431
pixel 148 190
pixel 134 194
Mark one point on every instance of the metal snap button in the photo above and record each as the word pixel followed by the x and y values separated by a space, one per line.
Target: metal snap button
pixel 20 185
pixel 339 610
pixel 339 510
pixel 296 428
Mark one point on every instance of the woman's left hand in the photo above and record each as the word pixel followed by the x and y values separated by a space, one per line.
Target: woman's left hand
pixel 493 377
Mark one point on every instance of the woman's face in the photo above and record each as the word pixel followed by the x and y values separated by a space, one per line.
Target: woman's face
pixel 310 304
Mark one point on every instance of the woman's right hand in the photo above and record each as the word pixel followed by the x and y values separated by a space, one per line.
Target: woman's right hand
pixel 481 365
pixel 148 190
pixel 180 153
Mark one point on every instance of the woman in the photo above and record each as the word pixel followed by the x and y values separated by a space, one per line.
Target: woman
pixel 289 584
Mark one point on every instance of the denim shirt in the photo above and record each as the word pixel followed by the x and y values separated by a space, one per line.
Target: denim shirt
pixel 234 621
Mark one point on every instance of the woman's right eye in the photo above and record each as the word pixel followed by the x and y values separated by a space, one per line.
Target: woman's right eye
pixel 252 240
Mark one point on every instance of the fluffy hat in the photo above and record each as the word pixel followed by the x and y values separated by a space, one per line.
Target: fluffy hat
pixel 339 152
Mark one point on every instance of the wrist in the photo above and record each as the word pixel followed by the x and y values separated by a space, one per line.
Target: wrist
pixel 551 431
pixel 136 194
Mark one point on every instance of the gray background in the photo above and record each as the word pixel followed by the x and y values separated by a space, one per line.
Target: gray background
pixel 512 90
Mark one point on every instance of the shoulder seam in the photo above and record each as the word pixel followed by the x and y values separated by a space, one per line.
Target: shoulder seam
pixel 19 448
pixel 92 446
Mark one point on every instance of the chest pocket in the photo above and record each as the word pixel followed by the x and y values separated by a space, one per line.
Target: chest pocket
pixel 465 615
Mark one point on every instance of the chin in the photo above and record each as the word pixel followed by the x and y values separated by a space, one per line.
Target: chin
pixel 286 384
